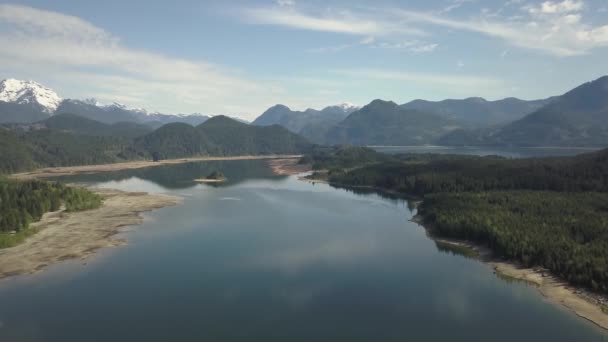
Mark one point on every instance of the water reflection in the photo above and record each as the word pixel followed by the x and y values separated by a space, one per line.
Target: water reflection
pixel 267 258
pixel 181 176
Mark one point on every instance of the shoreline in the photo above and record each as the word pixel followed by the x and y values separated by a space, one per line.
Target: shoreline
pixel 78 235
pixel 579 301
pixel 583 303
pixel 49 172
pixel 288 166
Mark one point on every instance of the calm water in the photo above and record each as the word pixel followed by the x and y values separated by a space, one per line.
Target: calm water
pixel 269 258
pixel 514 152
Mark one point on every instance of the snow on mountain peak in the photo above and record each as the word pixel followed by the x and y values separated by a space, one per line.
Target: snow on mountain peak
pixel 24 92
pixel 347 106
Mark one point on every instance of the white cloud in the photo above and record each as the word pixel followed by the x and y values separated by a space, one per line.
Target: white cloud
pixel 565 6
pixel 454 5
pixel 70 49
pixel 553 27
pixel 433 79
pixel 283 3
pixel 424 48
pixel 345 22
pixel 559 33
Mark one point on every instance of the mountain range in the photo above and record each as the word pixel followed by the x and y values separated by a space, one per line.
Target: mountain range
pixel 576 118
pixel 386 123
pixel 311 123
pixel 29 101
pixel 67 139
pixel 479 111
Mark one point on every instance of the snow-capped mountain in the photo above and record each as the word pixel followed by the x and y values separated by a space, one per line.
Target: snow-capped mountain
pixel 29 101
pixel 29 92
pixel 346 107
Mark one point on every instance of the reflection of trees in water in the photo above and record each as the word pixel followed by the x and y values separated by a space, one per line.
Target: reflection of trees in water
pixel 181 176
pixel 397 198
pixel 456 249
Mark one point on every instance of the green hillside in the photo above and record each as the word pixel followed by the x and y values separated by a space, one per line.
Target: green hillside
pixel 385 123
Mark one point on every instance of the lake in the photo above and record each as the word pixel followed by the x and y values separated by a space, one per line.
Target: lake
pixel 509 152
pixel 271 258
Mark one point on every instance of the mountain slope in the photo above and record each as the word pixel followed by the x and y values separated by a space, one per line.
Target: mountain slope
pixel 479 111
pixel 234 138
pixel 21 113
pixel 385 123
pixel 577 118
pixel 15 154
pixel 119 113
pixel 175 140
pixel 310 123
pixel 29 92
pixel 81 125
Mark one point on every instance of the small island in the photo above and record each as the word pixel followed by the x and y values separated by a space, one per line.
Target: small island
pixel 213 177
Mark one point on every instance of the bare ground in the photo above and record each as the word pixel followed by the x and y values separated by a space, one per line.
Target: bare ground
pixel 288 166
pixel 84 169
pixel 73 235
pixel 582 302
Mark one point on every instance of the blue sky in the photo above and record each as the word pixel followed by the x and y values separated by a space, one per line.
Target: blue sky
pixel 240 57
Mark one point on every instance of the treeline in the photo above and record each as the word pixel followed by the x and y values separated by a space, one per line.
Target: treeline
pixel 566 233
pixel 549 212
pixel 342 157
pixel 78 145
pixel 24 202
pixel 418 176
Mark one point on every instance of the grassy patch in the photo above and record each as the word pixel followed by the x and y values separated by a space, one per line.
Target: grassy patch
pixel 9 240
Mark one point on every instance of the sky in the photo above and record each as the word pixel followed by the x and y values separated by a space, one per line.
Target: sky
pixel 240 57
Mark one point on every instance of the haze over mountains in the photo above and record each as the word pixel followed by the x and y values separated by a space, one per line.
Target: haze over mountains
pixel 479 111
pixel 577 118
pixel 29 101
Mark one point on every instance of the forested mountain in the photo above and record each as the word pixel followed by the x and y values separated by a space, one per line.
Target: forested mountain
pixel 15 155
pixel 577 118
pixel 175 140
pixel 479 111
pixel 232 138
pixel 385 123
pixel 80 125
pixel 24 151
pixel 66 140
pixel 310 123
pixel 20 113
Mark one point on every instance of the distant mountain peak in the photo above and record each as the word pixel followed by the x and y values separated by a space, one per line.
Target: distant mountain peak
pixel 477 99
pixel 378 102
pixel 93 101
pixel 278 107
pixel 346 107
pixel 29 92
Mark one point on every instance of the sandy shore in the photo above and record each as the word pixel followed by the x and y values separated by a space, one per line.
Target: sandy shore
pixel 73 170
pixel 288 166
pixel 66 235
pixel 581 302
pixel 205 180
